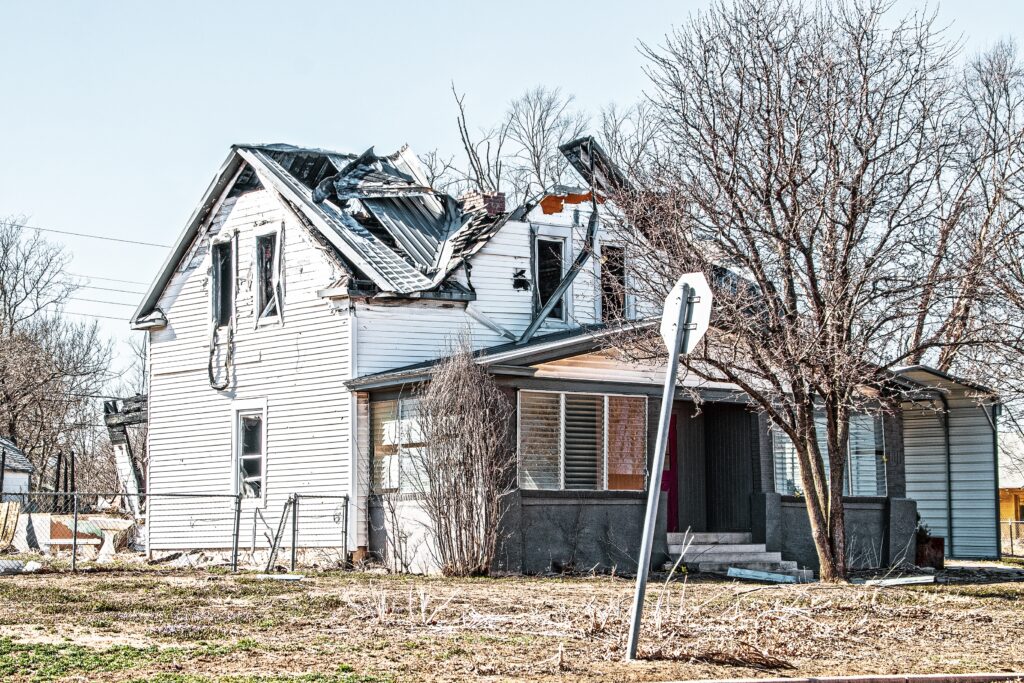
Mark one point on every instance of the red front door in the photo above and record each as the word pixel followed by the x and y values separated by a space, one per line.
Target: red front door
pixel 669 478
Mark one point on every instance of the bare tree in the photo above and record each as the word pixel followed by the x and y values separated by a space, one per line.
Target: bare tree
pixel 538 121
pixel 467 466
pixel 827 169
pixel 51 369
pixel 484 154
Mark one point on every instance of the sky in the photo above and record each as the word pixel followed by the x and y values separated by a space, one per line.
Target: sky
pixel 114 116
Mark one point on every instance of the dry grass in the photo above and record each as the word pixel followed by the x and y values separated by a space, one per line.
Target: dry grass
pixel 195 627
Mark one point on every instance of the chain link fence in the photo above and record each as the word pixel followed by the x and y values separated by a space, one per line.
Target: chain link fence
pixel 189 528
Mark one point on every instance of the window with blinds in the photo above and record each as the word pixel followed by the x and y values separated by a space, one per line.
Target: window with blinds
pixel 397 450
pixel 540 440
pixel 865 467
pixel 582 441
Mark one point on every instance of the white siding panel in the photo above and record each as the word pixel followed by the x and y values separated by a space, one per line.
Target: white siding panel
pixel 297 367
pixel 972 468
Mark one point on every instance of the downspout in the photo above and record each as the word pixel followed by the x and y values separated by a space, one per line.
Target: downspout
pixel 355 457
pixel 995 471
pixel 949 472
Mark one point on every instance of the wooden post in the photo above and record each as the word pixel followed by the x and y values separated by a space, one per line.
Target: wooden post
pixel 3 468
pixel 237 530
pixel 56 483
pixel 295 526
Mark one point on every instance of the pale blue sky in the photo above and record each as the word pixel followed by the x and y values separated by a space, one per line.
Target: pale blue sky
pixel 114 116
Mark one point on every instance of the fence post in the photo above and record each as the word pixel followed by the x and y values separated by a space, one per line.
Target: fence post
pixel 74 534
pixel 235 533
pixel 295 526
pixel 344 531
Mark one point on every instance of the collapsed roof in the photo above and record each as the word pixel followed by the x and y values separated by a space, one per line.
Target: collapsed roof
pixel 379 214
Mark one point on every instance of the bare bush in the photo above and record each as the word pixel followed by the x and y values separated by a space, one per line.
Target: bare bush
pixel 467 466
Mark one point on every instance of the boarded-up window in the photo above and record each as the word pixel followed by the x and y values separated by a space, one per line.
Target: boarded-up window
pixel 540 440
pixel 549 274
pixel 582 441
pixel 627 443
pixel 223 283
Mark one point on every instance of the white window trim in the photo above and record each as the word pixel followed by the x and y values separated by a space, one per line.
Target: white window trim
pixel 561 435
pixel 563 234
pixel 223 238
pixel 238 408
pixel 276 277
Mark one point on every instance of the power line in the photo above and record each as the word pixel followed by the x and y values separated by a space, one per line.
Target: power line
pixel 96 237
pixel 101 301
pixel 108 279
pixel 110 289
pixel 93 315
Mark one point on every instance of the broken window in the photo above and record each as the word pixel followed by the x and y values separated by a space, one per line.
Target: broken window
pixel 549 274
pixel 582 441
pixel 267 289
pixel 223 283
pixel 613 283
pixel 250 454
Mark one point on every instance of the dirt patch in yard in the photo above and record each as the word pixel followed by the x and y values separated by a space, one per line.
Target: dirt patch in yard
pixel 192 627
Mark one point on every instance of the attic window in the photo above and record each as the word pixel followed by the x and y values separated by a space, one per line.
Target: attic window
pixel 549 274
pixel 223 284
pixel 267 267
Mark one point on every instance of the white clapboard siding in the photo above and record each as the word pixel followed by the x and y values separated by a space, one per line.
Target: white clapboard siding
pixel 297 368
pixel 393 336
pixel 971 471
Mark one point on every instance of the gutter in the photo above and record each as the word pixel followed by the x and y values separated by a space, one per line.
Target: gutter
pixel 949 472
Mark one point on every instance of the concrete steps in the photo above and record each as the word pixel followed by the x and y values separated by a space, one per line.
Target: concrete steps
pixel 716 552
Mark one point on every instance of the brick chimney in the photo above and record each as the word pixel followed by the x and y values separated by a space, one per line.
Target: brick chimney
pixel 493 202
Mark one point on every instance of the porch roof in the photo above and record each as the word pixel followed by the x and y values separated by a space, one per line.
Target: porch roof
pixel 506 359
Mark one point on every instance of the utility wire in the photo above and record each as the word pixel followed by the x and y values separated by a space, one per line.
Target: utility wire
pixel 110 289
pixel 108 279
pixel 93 315
pixel 101 301
pixel 96 237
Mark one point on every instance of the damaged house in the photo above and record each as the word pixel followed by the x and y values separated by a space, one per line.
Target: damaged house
pixel 311 291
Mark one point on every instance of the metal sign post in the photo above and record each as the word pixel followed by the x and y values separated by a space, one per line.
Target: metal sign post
pixel 684 321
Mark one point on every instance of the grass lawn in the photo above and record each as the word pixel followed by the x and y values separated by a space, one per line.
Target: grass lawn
pixel 193 627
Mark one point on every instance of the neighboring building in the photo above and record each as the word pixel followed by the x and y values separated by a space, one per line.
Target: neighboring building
pixel 311 291
pixel 17 470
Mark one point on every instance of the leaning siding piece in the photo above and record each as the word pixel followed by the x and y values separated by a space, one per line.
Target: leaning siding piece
pixel 753 575
pixel 900 581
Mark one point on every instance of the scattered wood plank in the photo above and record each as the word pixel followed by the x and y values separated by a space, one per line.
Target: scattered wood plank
pixel 900 581
pixel 280 577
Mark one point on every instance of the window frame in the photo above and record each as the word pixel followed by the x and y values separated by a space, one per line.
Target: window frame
pixel 230 243
pixel 561 438
pixel 553 234
pixel 240 409
pixel 276 278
